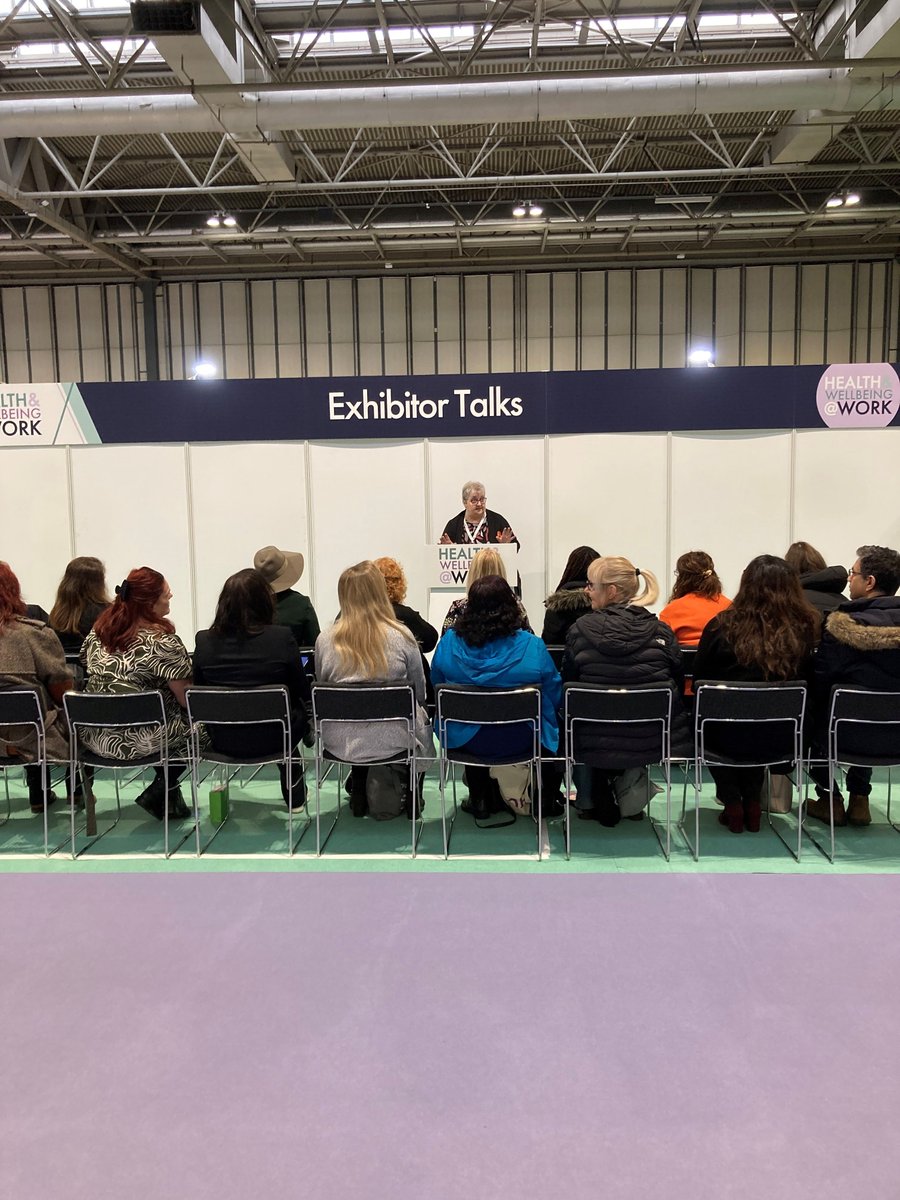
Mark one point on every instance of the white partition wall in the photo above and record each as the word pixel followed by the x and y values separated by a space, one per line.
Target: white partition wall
pixel 199 513
pixel 245 496
pixel 130 508
pixel 609 491
pixel 367 501
pixel 847 491
pixel 36 538
pixel 731 496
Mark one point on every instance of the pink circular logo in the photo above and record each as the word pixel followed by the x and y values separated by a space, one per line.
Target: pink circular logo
pixel 858 395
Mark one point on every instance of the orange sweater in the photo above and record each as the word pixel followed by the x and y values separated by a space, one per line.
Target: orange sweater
pixel 688 616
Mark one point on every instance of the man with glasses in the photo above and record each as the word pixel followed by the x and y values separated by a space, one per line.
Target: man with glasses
pixel 860 647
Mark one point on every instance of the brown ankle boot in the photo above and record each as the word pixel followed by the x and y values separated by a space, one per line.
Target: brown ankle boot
pixel 821 810
pixel 858 811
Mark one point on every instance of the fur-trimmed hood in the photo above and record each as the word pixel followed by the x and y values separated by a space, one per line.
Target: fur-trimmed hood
pixel 571 598
pixel 873 625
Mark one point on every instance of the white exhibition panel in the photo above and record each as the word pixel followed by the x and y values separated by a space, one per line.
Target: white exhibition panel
pixel 609 491
pixel 847 490
pixel 367 502
pixel 37 532
pixel 731 496
pixel 131 510
pixel 245 495
pixel 512 471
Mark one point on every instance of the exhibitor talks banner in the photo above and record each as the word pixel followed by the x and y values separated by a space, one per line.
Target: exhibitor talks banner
pixel 683 399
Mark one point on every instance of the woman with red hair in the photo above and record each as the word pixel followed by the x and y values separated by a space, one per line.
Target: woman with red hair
pixel 133 647
pixel 31 657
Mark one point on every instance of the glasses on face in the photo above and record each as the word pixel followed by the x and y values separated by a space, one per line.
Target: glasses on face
pixel 477 499
pixel 851 573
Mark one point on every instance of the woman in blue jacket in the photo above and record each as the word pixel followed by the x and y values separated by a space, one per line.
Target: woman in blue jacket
pixel 489 648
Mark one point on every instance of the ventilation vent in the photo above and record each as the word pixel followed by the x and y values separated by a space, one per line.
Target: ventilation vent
pixel 165 16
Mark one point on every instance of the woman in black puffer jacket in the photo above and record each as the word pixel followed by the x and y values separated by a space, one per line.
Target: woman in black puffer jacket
pixel 823 586
pixel 620 643
pixel 570 600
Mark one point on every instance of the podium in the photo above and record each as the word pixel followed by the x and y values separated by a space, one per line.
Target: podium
pixel 447 568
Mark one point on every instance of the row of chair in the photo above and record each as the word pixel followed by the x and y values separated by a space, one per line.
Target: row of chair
pixel 863 729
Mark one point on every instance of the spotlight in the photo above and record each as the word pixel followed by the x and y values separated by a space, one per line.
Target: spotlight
pixel 229 221
pixel 519 210
pixel 214 221
pixel 204 370
pixel 700 357
pixel 852 198
pixel 535 210
pixel 834 202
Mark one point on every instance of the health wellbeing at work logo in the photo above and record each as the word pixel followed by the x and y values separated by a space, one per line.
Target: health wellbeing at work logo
pixel 858 395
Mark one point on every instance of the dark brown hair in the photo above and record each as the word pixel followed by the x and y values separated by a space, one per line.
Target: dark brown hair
pixel 117 627
pixel 576 568
pixel 246 603
pixel 770 625
pixel 491 612
pixel 696 576
pixel 804 558
pixel 82 586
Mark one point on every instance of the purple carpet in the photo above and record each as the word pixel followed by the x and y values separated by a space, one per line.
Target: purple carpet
pixel 233 1036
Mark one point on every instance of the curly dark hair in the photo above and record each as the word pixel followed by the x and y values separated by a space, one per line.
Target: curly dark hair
pixel 770 625
pixel 696 576
pixel 491 612
pixel 884 564
pixel 575 570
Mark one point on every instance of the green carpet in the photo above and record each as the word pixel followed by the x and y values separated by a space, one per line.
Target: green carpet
pixel 254 838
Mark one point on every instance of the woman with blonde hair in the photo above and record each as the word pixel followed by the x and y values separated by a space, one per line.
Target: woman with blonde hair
pixel 80 599
pixel 486 562
pixel 620 643
pixel 367 644
pixel 696 597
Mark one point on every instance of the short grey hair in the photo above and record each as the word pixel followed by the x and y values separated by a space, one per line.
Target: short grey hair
pixel 472 486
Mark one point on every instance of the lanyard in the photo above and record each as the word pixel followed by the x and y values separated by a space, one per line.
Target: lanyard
pixel 469 534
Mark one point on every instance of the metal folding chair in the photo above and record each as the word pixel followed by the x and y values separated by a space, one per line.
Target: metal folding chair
pixel 646 708
pixel 242 708
pixel 21 708
pixel 777 709
pixel 863 731
pixel 337 704
pixel 120 710
pixel 487 706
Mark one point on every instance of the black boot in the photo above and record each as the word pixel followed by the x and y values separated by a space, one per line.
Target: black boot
pixel 36 790
pixel 153 798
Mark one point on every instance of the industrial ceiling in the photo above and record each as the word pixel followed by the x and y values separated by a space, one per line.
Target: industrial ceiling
pixel 363 135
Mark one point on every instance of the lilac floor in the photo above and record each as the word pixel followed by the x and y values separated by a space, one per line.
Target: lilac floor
pixel 246 1037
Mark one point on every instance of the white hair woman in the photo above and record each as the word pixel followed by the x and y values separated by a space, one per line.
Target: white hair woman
pixel 477 524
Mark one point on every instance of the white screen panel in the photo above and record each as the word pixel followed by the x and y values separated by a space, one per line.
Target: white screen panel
pixel 130 505
pixel 608 490
pixel 847 490
pixel 512 470
pixel 39 551
pixel 731 497
pixel 366 503
pixel 245 496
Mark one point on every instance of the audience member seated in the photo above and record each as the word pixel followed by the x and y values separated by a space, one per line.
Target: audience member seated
pixel 31 657
pixel 80 599
pixel 860 647
pixel 696 597
pixel 426 635
pixel 367 644
pixel 823 586
pixel 620 643
pixel 768 633
pixel 281 569
pixel 244 649
pixel 133 647
pixel 488 648
pixel 570 600
pixel 486 562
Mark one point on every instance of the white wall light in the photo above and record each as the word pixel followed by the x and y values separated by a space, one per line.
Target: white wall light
pixel 701 357
pixel 204 370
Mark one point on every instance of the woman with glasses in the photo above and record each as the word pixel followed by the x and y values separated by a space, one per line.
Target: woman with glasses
pixel 620 643
pixel 477 524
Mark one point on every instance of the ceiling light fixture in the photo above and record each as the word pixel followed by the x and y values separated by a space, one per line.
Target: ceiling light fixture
pixel 535 210
pixel 214 221
pixel 851 198
pixel 229 221
pixel 683 199
pixel 519 211
pixel 204 370
pixel 701 357
pixel 834 202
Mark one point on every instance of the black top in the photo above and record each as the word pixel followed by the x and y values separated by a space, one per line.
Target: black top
pixel 563 610
pixel 455 528
pixel 825 589
pixel 268 657
pixel 71 642
pixel 427 637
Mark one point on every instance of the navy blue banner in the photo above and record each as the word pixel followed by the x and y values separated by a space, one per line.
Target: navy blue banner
pixel 494 405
